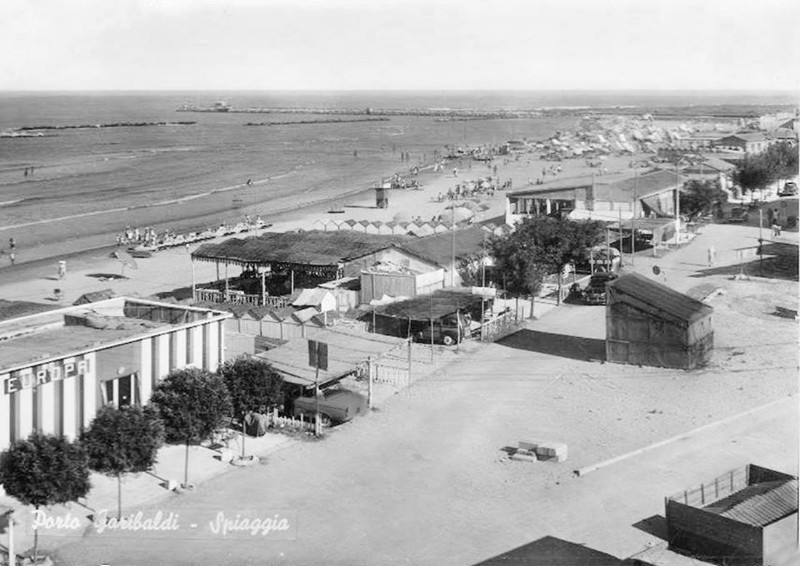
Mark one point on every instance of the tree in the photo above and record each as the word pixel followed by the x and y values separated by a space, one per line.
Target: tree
pixel 122 441
pixel 754 173
pixel 45 470
pixel 252 384
pixel 192 403
pixel 782 159
pixel 540 245
pixel 699 197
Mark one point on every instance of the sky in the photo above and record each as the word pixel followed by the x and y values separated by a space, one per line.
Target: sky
pixel 399 45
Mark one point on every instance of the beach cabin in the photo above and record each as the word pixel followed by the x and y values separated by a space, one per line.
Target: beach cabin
pixel 650 324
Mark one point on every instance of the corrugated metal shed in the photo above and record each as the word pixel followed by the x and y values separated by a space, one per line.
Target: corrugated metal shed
pixel 660 297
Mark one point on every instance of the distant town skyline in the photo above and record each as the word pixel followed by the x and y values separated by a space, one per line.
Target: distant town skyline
pixel 400 45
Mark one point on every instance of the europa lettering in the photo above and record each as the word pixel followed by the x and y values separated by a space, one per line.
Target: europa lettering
pixel 32 377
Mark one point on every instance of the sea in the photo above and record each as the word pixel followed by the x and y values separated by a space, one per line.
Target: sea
pixel 72 184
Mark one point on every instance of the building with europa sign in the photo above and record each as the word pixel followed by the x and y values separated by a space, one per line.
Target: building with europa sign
pixel 58 366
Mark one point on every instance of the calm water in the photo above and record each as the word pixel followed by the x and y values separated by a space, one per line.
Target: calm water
pixel 90 182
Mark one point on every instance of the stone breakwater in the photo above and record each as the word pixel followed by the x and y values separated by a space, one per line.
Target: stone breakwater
pixel 107 125
pixel 437 112
pixel 331 121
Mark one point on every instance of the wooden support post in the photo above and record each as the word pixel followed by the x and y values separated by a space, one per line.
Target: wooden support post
pixel 369 380
pixel 263 289
pixel 194 287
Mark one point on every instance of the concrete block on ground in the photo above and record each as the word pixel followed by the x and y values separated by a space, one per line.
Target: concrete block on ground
pixel 529 445
pixel 524 458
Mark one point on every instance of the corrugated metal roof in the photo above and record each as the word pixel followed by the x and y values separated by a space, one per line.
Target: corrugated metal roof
pixel 439 247
pixel 647 184
pixel 759 504
pixel 347 348
pixel 659 297
pixel 425 307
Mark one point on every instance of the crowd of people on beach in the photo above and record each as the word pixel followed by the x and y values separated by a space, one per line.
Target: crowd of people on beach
pixel 485 187
pixel 149 239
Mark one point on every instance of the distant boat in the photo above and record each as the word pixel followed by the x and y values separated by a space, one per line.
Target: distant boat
pixel 220 106
pixel 336 210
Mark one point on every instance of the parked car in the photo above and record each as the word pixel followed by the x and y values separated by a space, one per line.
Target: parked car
pixel 447 330
pixel 595 293
pixel 739 214
pixel 789 189
pixel 335 406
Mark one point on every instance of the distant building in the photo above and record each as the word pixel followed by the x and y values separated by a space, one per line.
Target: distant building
pixel 749 143
pixel 744 517
pixel 608 198
pixel 648 323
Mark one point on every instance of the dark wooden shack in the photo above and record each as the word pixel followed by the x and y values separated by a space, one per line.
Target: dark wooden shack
pixel 648 323
pixel 746 516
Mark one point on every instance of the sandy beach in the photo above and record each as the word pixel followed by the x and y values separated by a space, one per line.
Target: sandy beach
pixel 36 278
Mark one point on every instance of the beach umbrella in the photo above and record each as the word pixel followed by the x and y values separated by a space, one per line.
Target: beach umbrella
pixel 461 214
pixel 125 258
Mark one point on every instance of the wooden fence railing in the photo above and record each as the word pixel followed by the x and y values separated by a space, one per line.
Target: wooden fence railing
pixel 237 297
pixel 497 324
pixel 300 423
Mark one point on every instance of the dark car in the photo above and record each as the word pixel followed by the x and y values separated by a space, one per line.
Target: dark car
pixel 595 293
pixel 789 189
pixel 447 330
pixel 335 406
pixel 739 214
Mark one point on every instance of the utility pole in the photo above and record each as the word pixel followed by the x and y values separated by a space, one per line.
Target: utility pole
pixel 760 241
pixel 453 247
pixel 633 218
pixel 677 202
pixel 483 285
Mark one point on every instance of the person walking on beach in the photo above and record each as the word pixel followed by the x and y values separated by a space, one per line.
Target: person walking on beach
pixel 13 257
pixel 62 269
pixel 711 256
pixel 12 244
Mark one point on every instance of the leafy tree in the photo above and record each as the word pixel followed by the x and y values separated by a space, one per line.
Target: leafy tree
pixel 252 383
pixel 45 470
pixel 192 403
pixel 754 173
pixel 782 159
pixel 122 441
pixel 540 245
pixel 699 197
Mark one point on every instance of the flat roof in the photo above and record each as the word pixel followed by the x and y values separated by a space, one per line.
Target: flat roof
pixel 347 349
pixel 55 334
pixel 441 302
pixel 616 188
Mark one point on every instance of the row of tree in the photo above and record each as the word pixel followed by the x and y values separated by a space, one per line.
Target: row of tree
pixel 187 407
